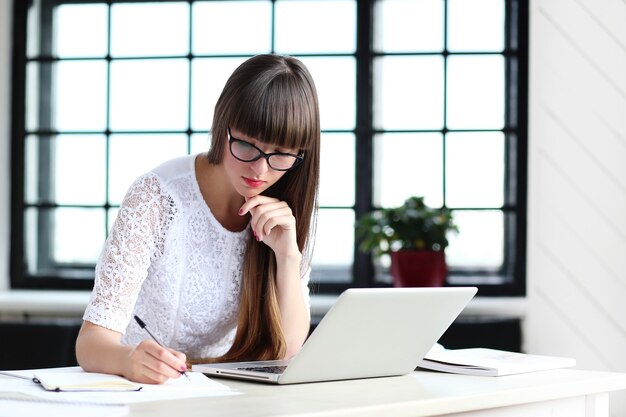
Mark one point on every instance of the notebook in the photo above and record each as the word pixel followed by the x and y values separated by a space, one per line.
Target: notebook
pixel 368 332
pixel 83 381
pixel 490 362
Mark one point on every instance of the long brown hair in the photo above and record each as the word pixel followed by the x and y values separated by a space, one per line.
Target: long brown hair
pixel 273 99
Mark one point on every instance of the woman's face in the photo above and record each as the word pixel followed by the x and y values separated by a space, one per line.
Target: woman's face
pixel 251 178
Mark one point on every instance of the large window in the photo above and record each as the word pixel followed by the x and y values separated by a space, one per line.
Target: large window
pixel 418 97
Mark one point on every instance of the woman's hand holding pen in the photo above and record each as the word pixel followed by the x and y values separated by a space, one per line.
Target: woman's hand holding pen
pixel 272 223
pixel 145 363
pixel 153 364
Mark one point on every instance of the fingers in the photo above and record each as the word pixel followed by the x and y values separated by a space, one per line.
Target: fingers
pixel 179 355
pixel 273 223
pixel 155 364
pixel 251 203
pixel 267 216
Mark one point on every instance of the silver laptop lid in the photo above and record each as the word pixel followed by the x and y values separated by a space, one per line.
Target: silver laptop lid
pixel 373 332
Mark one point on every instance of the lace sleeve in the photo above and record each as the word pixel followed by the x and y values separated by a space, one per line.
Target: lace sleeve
pixel 136 239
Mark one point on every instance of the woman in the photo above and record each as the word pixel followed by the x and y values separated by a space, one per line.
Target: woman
pixel 213 251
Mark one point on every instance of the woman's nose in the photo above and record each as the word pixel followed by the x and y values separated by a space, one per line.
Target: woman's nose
pixel 260 166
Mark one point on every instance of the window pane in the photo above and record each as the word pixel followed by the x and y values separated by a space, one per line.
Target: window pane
pixel 31 169
pixel 408 92
pixel 79 169
pixel 475 92
pixel 475 25
pixel 405 165
pixel 313 26
pixel 33 72
pixel 337 170
pixel 71 172
pixel 200 142
pixel 39 182
pixel 335 81
pixel 409 26
pixel 208 79
pixel 480 241
pixel 475 169
pixel 33 36
pixel 81 30
pixel 149 94
pixel 134 155
pixel 31 239
pixel 80 99
pixel 78 235
pixel 150 29
pixel 334 244
pixel 232 27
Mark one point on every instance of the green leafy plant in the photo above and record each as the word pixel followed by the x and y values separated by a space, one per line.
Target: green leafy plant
pixel 412 226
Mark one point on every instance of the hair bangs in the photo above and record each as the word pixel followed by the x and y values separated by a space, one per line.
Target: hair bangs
pixel 279 114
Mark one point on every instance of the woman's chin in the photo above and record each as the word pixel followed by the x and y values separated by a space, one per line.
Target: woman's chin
pixel 248 193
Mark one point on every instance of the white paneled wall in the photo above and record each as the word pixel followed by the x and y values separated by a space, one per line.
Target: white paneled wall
pixel 577 184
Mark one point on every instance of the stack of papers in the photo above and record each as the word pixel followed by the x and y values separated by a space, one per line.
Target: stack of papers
pixel 490 362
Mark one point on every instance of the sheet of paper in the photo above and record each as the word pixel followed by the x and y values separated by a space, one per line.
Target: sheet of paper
pixel 198 385
pixel 15 408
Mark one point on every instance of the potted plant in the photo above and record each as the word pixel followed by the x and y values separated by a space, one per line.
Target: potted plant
pixel 415 236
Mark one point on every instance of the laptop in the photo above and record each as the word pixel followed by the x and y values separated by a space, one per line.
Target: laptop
pixel 367 333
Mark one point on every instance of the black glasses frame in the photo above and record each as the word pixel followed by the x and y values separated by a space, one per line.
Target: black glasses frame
pixel 231 139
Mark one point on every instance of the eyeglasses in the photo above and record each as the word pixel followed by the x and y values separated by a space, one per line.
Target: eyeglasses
pixel 247 152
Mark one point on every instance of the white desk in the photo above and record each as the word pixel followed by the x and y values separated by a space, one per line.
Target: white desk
pixel 559 393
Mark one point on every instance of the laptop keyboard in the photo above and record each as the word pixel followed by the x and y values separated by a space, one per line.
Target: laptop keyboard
pixel 267 369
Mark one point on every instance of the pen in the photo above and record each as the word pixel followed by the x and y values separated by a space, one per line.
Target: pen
pixel 143 326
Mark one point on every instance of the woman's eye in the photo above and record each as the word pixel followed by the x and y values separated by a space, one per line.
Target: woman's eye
pixel 244 145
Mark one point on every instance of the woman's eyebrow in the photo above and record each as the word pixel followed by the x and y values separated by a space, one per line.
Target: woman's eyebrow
pixel 269 147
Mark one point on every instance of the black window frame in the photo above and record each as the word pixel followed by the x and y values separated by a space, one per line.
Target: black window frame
pixel 511 278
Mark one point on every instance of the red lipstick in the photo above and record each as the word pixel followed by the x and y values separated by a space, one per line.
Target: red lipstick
pixel 253 183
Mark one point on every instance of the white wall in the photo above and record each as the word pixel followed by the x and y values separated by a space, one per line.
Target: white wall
pixel 5 114
pixel 577 184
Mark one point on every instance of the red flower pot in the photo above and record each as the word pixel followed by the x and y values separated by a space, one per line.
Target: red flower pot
pixel 418 268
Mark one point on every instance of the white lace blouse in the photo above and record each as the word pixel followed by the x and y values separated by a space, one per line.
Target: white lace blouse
pixel 169 261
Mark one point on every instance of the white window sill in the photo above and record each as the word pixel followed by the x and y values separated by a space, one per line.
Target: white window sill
pixel 31 303
pixel 24 304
